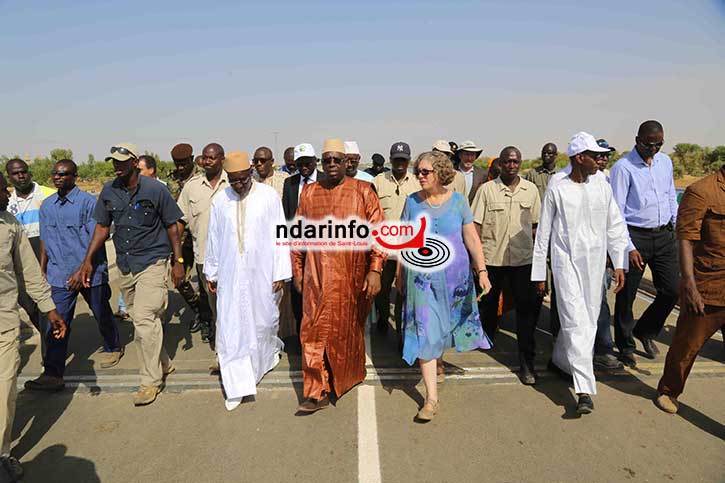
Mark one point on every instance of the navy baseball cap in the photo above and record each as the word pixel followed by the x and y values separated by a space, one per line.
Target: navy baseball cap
pixel 604 144
pixel 400 150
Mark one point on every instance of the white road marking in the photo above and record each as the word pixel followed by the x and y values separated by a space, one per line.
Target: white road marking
pixel 368 454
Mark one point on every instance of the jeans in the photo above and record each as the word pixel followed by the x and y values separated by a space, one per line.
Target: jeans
pixel 659 251
pixel 603 340
pixel 65 303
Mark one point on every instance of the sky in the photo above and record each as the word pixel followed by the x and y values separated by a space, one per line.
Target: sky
pixel 87 74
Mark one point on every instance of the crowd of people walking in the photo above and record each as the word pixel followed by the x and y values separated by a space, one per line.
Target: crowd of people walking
pixel 567 236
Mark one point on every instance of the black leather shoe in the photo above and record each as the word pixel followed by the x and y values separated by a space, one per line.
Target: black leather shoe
pixel 585 404
pixel 607 362
pixel 526 372
pixel 628 360
pixel 650 350
pixel 195 326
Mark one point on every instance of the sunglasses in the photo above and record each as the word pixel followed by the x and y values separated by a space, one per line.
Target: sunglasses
pixel 651 145
pixel 61 174
pixel 240 182
pixel 597 156
pixel 423 172
pixel 259 160
pixel 124 151
pixel 331 159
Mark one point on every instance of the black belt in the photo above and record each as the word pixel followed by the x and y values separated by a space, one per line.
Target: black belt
pixel 657 229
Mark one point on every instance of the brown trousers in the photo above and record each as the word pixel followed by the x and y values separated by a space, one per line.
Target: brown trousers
pixel 690 335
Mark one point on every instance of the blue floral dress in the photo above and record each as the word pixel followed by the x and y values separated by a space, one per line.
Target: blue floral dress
pixel 440 309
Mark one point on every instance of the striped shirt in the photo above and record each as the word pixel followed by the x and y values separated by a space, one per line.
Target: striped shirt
pixel 27 210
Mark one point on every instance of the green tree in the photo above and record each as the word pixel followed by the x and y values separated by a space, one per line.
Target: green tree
pixel 59 153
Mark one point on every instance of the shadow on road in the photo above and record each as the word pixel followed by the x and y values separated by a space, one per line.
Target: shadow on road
pixel 53 464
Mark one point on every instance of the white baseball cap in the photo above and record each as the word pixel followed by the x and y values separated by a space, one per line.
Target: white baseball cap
pixel 583 141
pixel 351 147
pixel 304 150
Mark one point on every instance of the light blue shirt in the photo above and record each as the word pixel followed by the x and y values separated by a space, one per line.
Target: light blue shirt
pixel 66 229
pixel 645 194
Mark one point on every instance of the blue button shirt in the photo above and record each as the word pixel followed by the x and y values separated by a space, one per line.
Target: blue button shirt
pixel 140 219
pixel 66 229
pixel 645 194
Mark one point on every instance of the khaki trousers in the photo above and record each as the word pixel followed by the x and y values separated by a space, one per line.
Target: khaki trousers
pixel 9 365
pixel 147 297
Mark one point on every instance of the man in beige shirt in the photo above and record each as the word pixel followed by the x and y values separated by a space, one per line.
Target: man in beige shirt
pixel 264 171
pixel 393 187
pixel 19 263
pixel 506 212
pixel 195 202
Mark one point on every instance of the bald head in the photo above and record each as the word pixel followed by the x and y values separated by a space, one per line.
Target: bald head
pixel 289 160
pixel 263 162
pixel 650 127
pixel 548 155
pixel 264 151
pixel 510 149
pixel 217 148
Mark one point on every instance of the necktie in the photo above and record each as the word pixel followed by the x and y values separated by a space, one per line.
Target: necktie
pixel 306 180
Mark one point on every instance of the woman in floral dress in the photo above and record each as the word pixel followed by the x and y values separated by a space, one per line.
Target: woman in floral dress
pixel 440 309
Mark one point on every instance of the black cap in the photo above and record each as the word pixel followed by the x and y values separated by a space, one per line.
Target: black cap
pixel 379 158
pixel 400 150
pixel 604 144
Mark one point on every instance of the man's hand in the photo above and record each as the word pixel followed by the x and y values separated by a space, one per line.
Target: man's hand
pixel 618 280
pixel 635 260
pixel 177 273
pixel 690 298
pixel 57 324
pixel 484 282
pixel 277 286
pixel 211 287
pixel 83 275
pixel 75 282
pixel 371 287
pixel 297 282
pixel 541 289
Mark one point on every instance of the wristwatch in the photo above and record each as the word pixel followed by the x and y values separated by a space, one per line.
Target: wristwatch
pixel 180 260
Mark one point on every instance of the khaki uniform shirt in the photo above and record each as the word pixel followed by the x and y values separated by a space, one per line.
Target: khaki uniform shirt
pixel 701 219
pixel 276 181
pixel 506 220
pixel 17 261
pixel 540 176
pixel 458 184
pixel 195 203
pixel 392 193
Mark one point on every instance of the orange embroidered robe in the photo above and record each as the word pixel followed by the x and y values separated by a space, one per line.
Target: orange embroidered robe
pixel 332 333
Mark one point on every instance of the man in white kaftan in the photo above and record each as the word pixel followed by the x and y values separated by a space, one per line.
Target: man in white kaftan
pixel 581 221
pixel 247 268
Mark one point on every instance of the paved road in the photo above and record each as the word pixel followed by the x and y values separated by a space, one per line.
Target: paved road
pixel 490 427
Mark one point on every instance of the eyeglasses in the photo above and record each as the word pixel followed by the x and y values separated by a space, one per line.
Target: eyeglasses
pixel 331 159
pixel 259 161
pixel 61 174
pixel 423 172
pixel 652 145
pixel 124 151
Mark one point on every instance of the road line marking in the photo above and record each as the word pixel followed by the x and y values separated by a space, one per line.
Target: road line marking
pixel 368 453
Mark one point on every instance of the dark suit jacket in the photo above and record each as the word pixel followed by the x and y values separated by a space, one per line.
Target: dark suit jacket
pixel 479 177
pixel 290 193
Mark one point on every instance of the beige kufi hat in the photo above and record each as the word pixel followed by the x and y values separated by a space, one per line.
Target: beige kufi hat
pixel 333 146
pixel 236 161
